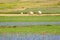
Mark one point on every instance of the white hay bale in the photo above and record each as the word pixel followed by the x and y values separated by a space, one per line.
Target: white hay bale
pixel 31 13
pixel 40 12
pixel 21 12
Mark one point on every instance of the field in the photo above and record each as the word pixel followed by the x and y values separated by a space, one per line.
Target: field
pixel 17 26
pixel 18 7
pixel 41 29
pixel 25 7
pixel 29 18
pixel 45 10
pixel 46 29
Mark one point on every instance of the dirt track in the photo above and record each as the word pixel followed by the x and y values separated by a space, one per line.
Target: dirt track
pixel 29 15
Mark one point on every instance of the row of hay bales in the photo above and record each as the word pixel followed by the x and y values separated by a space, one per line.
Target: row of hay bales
pixel 48 10
pixel 31 12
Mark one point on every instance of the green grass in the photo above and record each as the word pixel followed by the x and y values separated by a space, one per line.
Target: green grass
pixel 33 29
pixel 29 18
pixel 6 6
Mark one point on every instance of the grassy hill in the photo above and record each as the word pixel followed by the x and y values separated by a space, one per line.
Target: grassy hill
pixel 43 5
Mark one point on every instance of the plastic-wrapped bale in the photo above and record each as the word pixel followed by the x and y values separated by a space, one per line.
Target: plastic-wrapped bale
pixel 22 13
pixel 39 12
pixel 31 13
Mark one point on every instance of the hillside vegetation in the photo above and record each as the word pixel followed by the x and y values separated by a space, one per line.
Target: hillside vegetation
pixel 32 5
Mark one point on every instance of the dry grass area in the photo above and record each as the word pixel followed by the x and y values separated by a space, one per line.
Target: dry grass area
pixel 29 15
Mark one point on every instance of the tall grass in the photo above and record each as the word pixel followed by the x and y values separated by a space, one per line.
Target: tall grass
pixel 45 10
